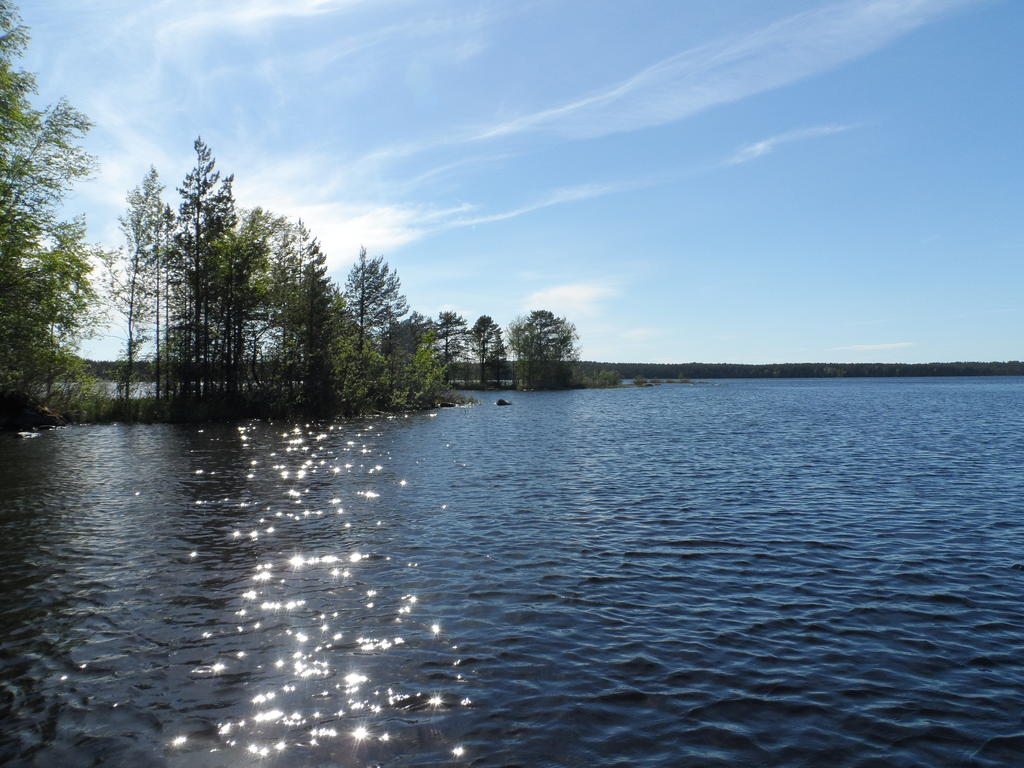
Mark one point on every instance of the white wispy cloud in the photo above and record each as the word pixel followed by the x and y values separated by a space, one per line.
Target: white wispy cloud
pixel 757 149
pixel 556 197
pixel 371 206
pixel 343 223
pixel 444 36
pixel 245 15
pixel 706 76
pixel 574 299
pixel 874 347
pixel 359 198
pixel 344 227
pixel 732 69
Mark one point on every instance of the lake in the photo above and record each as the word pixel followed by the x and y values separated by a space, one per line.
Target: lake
pixel 803 572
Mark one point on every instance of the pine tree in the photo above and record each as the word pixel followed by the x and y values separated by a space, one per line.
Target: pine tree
pixel 485 338
pixel 373 297
pixel 451 338
pixel 206 213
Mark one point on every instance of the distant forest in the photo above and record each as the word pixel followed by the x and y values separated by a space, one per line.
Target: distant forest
pixel 799 370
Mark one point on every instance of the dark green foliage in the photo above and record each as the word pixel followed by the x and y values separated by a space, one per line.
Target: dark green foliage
pixel 241 265
pixel 320 327
pixel 420 379
pixel 596 379
pixel 545 347
pixel 374 299
pixel 290 314
pixel 205 216
pixel 451 339
pixel 488 348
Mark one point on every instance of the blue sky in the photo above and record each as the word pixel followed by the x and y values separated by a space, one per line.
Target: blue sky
pixel 713 180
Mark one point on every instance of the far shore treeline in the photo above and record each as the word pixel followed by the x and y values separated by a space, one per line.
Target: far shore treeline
pixel 669 371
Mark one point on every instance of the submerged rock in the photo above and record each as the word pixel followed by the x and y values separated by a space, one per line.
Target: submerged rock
pixel 502 401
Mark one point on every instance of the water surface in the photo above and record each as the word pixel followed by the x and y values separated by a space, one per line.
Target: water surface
pixel 738 573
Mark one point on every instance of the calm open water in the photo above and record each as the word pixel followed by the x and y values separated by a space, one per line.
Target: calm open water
pixel 740 573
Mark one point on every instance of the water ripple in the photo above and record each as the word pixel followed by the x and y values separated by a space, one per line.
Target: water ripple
pixel 754 573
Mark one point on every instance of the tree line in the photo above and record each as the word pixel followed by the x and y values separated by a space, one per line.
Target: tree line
pixel 235 307
pixel 798 370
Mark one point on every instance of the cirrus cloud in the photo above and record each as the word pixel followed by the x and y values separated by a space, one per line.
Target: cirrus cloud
pixel 763 147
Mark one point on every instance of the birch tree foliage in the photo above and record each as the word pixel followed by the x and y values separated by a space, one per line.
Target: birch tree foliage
pixel 45 263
